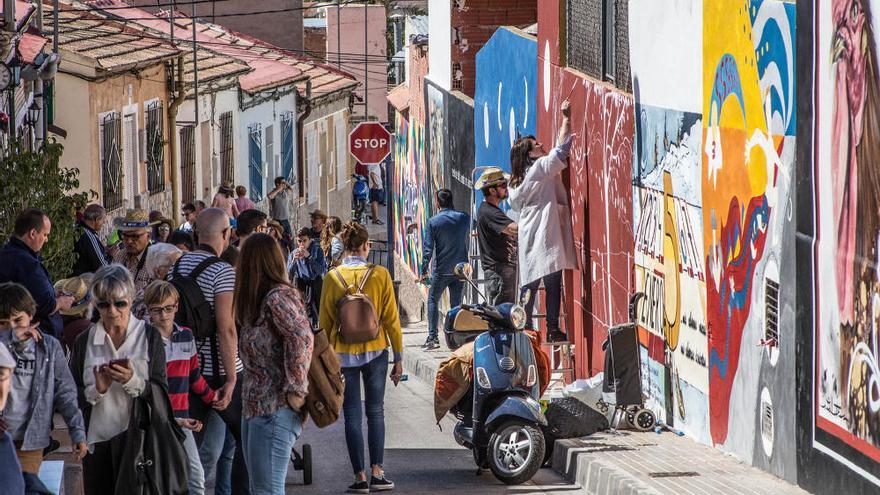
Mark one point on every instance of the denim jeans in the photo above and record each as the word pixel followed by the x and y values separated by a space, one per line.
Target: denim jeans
pixel 196 473
pixel 217 449
pixel 231 416
pixel 501 284
pixel 439 283
pixel 267 442
pixel 374 376
pixel 552 299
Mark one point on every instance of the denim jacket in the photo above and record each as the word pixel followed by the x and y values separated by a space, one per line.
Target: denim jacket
pixel 446 240
pixel 52 388
pixel 312 268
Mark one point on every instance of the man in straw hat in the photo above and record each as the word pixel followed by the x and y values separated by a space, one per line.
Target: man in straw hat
pixel 91 253
pixel 75 319
pixel 497 237
pixel 135 230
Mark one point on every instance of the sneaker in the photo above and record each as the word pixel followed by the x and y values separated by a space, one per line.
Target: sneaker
pixel 359 487
pixel 381 484
pixel 432 344
pixel 556 336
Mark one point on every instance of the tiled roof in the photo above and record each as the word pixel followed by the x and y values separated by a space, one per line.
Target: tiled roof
pixel 30 45
pixel 113 46
pixel 399 97
pixel 266 73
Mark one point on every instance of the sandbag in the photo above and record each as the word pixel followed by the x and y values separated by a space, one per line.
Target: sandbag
pixel 453 380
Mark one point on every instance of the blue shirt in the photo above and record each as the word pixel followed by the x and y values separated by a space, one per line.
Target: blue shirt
pixel 20 264
pixel 312 268
pixel 446 240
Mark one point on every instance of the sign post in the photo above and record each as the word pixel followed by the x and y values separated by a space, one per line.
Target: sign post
pixel 369 143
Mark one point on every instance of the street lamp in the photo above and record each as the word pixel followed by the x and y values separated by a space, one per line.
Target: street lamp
pixel 33 113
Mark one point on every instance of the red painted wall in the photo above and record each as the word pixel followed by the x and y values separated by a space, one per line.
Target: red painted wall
pixel 600 184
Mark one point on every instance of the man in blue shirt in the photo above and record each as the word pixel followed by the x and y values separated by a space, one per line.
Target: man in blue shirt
pixel 21 262
pixel 446 240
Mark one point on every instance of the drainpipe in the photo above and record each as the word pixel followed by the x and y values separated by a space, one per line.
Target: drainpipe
pixel 301 139
pixel 172 141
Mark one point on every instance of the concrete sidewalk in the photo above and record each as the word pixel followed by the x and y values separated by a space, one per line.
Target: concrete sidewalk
pixel 626 462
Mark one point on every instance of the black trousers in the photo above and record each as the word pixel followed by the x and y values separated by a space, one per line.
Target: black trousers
pixel 101 467
pixel 311 293
pixel 501 286
pixel 232 417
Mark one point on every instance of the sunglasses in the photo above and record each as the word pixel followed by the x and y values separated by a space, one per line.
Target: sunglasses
pixel 134 236
pixel 158 310
pixel 115 304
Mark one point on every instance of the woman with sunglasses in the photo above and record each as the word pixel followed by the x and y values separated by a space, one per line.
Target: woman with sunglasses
pixel 113 363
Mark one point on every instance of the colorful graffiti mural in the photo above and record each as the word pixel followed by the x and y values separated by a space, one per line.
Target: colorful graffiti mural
pixel 846 215
pixel 713 166
pixel 436 122
pixel 506 95
pixel 410 211
pixel 667 210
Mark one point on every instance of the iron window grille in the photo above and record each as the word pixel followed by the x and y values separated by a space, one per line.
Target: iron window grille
pixel 287 157
pixel 255 160
pixel 771 311
pixel 188 163
pixel 155 148
pixel 597 41
pixel 111 161
pixel 227 160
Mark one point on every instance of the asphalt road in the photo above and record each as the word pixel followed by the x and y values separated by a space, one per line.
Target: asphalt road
pixel 419 457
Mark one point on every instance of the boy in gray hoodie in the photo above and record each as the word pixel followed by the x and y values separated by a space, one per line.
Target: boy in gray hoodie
pixel 41 382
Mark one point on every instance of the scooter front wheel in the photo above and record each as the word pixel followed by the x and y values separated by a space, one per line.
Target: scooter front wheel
pixel 516 452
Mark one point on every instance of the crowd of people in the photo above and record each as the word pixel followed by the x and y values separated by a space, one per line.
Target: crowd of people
pixel 202 331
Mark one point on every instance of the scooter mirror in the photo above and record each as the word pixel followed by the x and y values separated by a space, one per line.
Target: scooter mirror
pixel 463 271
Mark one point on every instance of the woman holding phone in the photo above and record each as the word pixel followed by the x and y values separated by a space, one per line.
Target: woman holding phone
pixel 112 364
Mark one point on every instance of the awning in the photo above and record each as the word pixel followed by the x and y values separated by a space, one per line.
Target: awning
pixel 399 97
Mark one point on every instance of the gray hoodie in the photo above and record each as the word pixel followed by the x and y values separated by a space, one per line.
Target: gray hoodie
pixel 53 389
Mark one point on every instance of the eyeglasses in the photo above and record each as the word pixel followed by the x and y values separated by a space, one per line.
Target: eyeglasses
pixel 158 310
pixel 116 304
pixel 130 236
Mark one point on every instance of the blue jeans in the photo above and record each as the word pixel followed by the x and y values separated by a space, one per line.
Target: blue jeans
pixel 218 449
pixel 374 373
pixel 196 473
pixel 439 283
pixel 268 441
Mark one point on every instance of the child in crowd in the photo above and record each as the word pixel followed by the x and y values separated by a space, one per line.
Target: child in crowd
pixel 184 375
pixel 41 383
pixel 10 470
pixel 306 265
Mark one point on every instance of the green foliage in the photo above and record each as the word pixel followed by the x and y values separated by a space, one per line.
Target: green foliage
pixel 35 179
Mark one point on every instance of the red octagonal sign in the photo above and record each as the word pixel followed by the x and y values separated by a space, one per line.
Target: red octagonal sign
pixel 369 143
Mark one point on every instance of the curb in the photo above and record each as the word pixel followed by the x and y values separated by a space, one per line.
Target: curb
pixel 593 475
pixel 424 368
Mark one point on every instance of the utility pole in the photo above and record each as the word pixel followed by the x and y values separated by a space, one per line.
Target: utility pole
pixel 366 64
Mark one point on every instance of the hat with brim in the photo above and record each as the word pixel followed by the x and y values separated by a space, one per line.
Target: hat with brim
pixel 136 219
pixel 491 177
pixel 78 288
pixel 318 214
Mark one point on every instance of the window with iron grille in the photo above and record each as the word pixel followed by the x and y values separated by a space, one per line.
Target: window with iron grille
pixel 155 148
pixel 771 311
pixel 598 41
pixel 188 163
pixel 287 157
pixel 227 160
pixel 111 160
pixel 255 160
pixel 457 77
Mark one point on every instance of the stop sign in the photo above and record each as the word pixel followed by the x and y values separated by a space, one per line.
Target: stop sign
pixel 369 143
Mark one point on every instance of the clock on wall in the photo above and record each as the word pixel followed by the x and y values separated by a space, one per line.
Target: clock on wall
pixel 5 77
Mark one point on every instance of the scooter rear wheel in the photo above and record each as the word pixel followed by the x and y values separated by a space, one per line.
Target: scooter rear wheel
pixel 516 452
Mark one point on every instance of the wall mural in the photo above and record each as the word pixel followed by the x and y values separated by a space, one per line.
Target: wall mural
pixel 846 188
pixel 712 204
pixel 435 105
pixel 749 124
pixel 411 186
pixel 667 210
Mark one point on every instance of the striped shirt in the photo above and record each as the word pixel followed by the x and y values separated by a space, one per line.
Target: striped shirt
pixel 216 279
pixel 182 368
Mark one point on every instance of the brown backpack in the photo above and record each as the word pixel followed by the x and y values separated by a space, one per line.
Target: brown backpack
pixel 356 318
pixel 326 383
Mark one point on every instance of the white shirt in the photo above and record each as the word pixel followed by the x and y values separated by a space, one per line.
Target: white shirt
pixel 111 411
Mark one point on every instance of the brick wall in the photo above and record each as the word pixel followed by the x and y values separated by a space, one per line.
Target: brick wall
pixel 474 24
pixel 315 42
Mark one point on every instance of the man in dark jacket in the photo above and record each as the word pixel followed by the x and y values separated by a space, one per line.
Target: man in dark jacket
pixel 446 240
pixel 90 251
pixel 21 262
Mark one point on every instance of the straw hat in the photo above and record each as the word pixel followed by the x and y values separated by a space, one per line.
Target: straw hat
pixel 493 176
pixel 78 287
pixel 136 219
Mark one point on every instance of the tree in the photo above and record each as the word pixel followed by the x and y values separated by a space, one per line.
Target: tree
pixel 35 179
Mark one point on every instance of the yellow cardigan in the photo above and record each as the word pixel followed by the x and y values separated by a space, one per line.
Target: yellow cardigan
pixel 381 290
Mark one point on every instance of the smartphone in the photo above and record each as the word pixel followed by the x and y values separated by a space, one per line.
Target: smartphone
pixel 124 362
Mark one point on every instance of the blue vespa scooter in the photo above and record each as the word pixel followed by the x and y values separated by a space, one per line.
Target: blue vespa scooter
pixel 500 421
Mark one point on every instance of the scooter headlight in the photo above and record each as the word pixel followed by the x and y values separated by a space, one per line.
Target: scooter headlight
pixel 532 376
pixel 483 378
pixel 517 317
